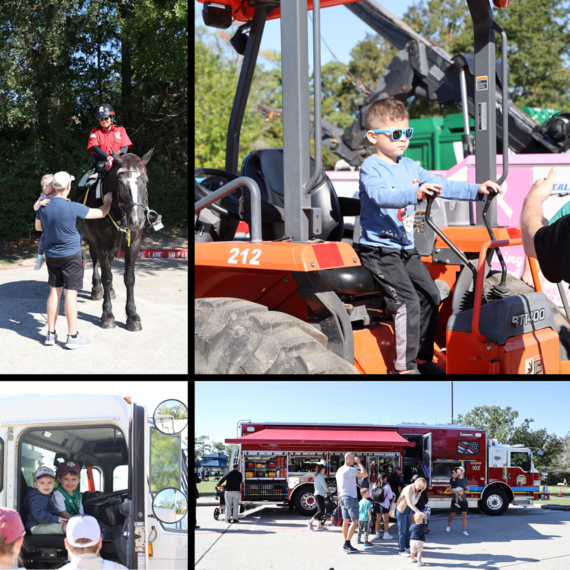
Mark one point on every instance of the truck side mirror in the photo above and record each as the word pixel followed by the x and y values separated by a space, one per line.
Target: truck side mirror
pixel 170 417
pixel 170 505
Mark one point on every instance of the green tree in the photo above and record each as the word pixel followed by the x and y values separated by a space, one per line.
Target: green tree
pixel 498 422
pixel 202 446
pixel 550 444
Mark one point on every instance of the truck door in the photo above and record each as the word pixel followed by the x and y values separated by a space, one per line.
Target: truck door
pixel 519 471
pixel 137 554
pixel 426 456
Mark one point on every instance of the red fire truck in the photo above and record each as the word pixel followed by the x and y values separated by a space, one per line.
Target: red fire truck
pixel 278 461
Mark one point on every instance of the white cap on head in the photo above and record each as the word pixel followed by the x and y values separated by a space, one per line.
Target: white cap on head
pixel 83 526
pixel 62 180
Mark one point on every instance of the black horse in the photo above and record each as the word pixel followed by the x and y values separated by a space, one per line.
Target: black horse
pixel 127 181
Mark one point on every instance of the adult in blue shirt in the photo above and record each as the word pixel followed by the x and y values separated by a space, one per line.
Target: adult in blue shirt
pixel 58 221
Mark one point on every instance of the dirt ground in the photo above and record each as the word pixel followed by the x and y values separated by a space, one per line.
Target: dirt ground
pixel 24 251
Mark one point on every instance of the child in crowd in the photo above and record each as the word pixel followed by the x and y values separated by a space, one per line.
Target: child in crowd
pixel 43 517
pixel 390 188
pixel 67 498
pixel 418 537
pixel 43 200
pixel 364 516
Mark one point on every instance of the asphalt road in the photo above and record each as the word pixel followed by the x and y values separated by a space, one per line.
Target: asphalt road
pixel 276 538
pixel 160 348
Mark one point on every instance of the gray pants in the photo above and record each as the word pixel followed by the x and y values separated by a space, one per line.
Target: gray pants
pixel 232 502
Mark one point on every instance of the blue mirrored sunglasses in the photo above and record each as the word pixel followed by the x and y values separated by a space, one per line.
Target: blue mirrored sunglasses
pixel 396 134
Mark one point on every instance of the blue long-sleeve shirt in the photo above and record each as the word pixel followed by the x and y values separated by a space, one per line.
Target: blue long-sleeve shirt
pixel 41 508
pixel 388 196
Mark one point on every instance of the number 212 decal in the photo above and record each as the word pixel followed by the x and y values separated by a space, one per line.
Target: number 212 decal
pixel 253 261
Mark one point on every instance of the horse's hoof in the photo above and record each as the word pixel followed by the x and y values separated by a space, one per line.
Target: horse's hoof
pixel 113 293
pixel 96 295
pixel 108 324
pixel 134 325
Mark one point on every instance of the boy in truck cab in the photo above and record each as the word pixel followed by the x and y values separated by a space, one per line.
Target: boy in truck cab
pixel 67 498
pixel 43 517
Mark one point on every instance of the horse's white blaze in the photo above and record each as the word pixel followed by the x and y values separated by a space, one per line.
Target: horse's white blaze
pixel 131 182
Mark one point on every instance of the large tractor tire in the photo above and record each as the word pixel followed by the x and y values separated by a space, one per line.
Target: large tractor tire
pixel 233 336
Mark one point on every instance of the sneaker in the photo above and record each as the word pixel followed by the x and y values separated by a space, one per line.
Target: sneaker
pixel 447 529
pixel 413 560
pixel 319 528
pixel 352 549
pixel 430 369
pixel 310 525
pixel 348 549
pixel 421 563
pixel 408 549
pixel 386 536
pixel 51 339
pixel 378 535
pixel 368 544
pixel 465 533
pixel 77 342
pixel 359 542
pixel 39 263
pixel 404 554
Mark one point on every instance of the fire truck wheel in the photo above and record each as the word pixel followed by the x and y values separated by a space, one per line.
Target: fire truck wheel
pixel 233 336
pixel 495 502
pixel 305 501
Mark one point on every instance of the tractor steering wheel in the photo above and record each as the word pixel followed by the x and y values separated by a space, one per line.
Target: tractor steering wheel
pixel 228 206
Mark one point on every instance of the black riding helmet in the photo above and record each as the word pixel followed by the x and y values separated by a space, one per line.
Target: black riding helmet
pixel 105 110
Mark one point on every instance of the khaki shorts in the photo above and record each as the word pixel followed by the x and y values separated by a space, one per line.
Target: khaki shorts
pixel 416 545
pixel 47 528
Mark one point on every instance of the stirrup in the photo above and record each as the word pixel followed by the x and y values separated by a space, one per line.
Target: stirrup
pixel 155 220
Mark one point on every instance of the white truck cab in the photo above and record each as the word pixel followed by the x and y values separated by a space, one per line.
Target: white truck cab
pixel 134 473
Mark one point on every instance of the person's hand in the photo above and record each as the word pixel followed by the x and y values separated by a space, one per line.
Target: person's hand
pixel 108 197
pixel 61 520
pixel 428 189
pixel 44 202
pixel 67 200
pixel 109 158
pixel 357 460
pixel 542 187
pixel 484 190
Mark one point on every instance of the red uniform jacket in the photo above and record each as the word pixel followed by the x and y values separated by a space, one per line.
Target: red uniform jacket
pixel 115 138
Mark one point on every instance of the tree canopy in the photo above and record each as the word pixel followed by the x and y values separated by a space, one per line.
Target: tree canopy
pixel 59 60
pixel 539 76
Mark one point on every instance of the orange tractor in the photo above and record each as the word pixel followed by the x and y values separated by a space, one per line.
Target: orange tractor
pixel 295 297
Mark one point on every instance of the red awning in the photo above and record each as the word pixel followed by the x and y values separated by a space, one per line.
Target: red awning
pixel 347 438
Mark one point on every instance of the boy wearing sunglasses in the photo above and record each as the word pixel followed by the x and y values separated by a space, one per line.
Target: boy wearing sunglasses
pixel 390 188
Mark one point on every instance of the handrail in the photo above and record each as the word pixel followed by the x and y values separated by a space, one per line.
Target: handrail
pixel 481 278
pixel 255 230
pixel 317 127
pixel 505 106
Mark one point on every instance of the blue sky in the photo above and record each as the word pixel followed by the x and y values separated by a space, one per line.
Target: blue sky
pixel 218 406
pixel 340 28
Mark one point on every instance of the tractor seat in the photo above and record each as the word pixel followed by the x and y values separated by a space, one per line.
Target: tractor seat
pixel 350 280
pixel 265 166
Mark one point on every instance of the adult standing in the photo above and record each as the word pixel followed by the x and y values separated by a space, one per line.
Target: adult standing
pixel 12 534
pixel 58 221
pixel 460 504
pixel 232 494
pixel 422 503
pixel 348 497
pixel 382 508
pixel 197 496
pixel 407 503
pixel 395 481
pixel 320 495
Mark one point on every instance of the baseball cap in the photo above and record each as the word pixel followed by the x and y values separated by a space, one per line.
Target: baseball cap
pixel 68 466
pixel 62 180
pixel 83 526
pixel 11 527
pixel 42 472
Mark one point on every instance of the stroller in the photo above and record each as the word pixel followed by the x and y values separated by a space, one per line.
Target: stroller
pixel 220 497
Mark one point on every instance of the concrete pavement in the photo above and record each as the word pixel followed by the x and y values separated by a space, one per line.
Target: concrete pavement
pixel 160 348
pixel 278 539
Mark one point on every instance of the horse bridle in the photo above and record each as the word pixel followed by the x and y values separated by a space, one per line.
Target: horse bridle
pixel 123 207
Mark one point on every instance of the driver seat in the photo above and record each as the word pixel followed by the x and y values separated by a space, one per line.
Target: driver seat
pixel 265 166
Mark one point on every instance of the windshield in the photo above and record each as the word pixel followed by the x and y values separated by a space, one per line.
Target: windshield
pixel 521 459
